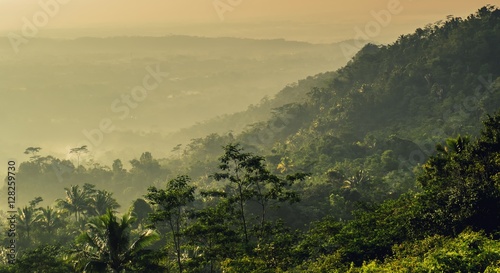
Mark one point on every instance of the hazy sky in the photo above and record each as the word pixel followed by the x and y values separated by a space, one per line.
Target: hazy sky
pixel 312 20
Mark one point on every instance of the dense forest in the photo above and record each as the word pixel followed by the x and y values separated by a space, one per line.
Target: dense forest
pixel 389 164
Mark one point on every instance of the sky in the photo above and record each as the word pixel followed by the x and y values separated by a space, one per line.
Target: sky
pixel 318 21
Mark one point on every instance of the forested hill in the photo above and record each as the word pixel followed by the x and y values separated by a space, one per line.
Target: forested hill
pixel 390 103
pixel 434 83
pixel 345 177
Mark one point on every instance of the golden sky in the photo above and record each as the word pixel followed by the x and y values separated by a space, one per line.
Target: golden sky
pixel 314 20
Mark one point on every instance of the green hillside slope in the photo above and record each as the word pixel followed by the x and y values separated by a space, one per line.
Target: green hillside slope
pixel 390 164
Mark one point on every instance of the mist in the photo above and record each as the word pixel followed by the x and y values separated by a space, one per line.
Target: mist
pixel 74 72
pixel 249 136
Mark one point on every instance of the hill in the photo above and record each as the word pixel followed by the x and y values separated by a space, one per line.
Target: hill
pixel 388 164
pixel 380 115
pixel 375 119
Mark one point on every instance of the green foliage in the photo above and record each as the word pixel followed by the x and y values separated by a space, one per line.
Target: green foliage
pixel 100 202
pixel 140 209
pixel 460 184
pixel 468 252
pixel 45 258
pixel 359 135
pixel 170 206
pixel 460 194
pixel 76 201
pixel 249 180
pixel 211 238
pixel 27 219
pixel 50 223
pixel 107 243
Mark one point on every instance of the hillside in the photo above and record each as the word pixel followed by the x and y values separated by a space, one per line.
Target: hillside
pixel 255 113
pixel 389 164
pixel 380 115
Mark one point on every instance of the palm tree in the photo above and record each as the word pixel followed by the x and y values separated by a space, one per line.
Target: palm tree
pixel 359 179
pixel 76 201
pixel 27 219
pixel 101 201
pixel 50 220
pixel 107 242
pixel 454 145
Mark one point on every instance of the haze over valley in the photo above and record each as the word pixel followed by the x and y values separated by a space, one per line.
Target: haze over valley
pixel 67 78
pixel 250 136
pixel 60 90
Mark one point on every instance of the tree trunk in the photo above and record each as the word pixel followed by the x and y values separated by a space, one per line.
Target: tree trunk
pixel 242 211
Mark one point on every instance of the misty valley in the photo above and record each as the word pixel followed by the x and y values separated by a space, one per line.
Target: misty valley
pixel 70 86
pixel 194 154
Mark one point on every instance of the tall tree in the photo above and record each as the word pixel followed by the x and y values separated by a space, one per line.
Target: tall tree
pixel 250 180
pixel 170 208
pixel 33 151
pixel 210 235
pixel 79 151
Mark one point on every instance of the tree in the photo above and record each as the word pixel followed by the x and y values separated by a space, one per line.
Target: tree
pixel 460 185
pixel 117 166
pixel 76 201
pixel 177 150
pixel 100 202
pixel 44 258
pixel 250 180
pixel 78 151
pixel 108 244
pixel 210 235
pixel 169 208
pixel 146 163
pixel 453 145
pixel 241 170
pixel 28 217
pixel 141 210
pixel 146 169
pixel 50 221
pixel 33 151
